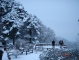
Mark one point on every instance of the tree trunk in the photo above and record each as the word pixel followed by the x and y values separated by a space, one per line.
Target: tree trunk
pixel 30 39
pixel 13 41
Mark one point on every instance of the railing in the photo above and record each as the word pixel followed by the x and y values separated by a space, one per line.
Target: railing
pixel 47 46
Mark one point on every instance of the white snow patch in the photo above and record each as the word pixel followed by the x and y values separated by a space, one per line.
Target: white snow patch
pixel 6 38
pixel 6 31
pixel 18 33
pixel 4 56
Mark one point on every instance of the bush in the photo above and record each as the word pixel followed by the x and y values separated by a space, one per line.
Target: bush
pixel 60 55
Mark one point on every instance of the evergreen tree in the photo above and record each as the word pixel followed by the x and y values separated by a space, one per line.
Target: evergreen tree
pixel 30 28
pixel 11 18
pixel 5 6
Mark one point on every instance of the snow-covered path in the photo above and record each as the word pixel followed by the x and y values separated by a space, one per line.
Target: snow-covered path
pixel 4 56
pixel 30 56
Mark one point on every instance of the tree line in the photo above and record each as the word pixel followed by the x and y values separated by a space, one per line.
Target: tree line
pixel 18 25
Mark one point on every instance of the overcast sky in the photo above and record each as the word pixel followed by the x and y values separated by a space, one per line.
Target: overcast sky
pixel 60 15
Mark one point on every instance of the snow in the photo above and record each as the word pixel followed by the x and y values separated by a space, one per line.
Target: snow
pixel 21 7
pixel 11 28
pixel 4 27
pixel 6 31
pixel 30 56
pixel 27 36
pixel 4 56
pixel 51 47
pixel 6 38
pixel 14 25
pixel 18 33
pixel 1 44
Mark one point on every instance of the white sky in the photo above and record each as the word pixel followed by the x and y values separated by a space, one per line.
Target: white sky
pixel 60 15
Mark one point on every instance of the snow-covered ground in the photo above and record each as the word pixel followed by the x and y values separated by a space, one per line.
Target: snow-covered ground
pixel 4 56
pixel 29 56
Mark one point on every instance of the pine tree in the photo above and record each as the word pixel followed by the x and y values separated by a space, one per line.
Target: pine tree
pixel 11 18
pixel 30 28
pixel 5 6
